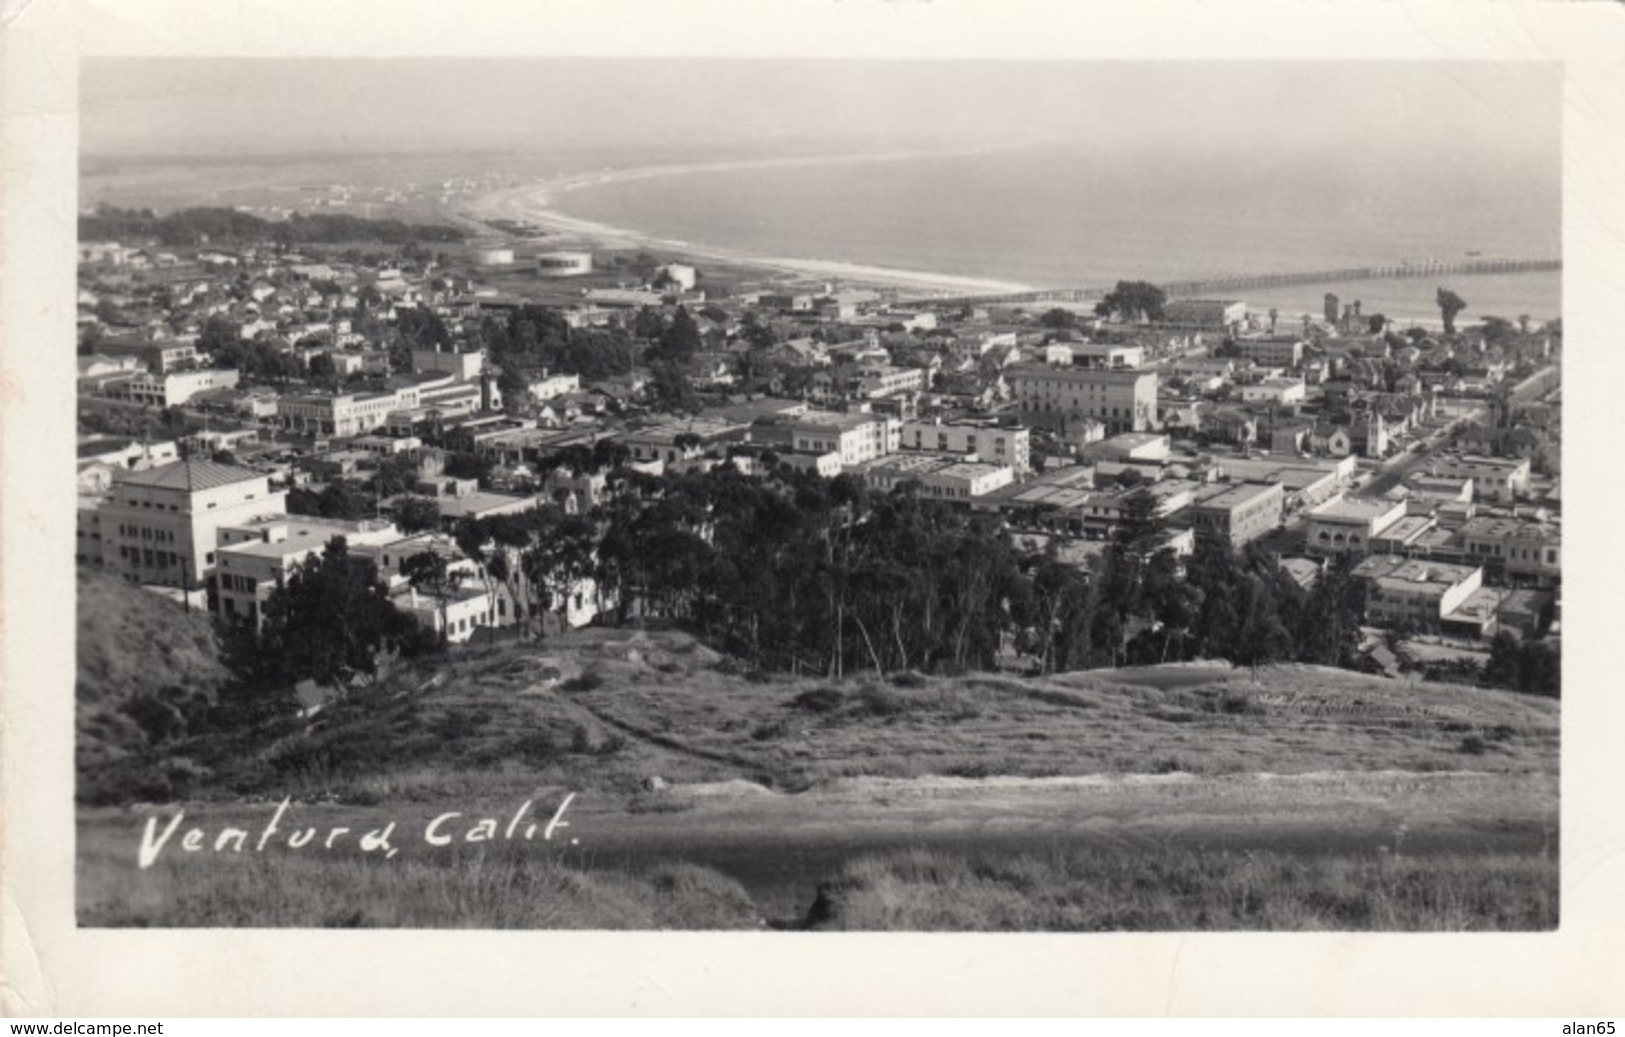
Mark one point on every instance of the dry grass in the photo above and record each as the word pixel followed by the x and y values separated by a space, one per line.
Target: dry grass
pixel 1099 890
pixel 606 710
pixel 794 734
pixel 500 887
pixel 142 664
pixel 601 712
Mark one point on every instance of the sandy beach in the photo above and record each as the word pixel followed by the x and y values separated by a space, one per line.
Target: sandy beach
pixel 533 204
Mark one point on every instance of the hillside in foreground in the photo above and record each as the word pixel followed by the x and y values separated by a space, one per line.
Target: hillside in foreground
pixel 144 666
pixel 1179 797
pixel 617 711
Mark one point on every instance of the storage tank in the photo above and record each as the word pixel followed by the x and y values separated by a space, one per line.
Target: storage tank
pixel 491 255
pixel 564 264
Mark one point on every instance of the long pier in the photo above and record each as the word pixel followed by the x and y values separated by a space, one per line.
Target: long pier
pixel 1248 282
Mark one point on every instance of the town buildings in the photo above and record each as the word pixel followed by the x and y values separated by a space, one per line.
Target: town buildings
pixel 853 437
pixel 1344 526
pixel 993 443
pixel 1497 479
pixel 1126 401
pixel 1414 591
pixel 1239 513
pixel 169 390
pixel 160 525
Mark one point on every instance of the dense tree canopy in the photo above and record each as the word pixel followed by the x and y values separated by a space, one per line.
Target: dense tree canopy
pixel 221 226
pixel 1133 300
pixel 1450 304
pixel 330 619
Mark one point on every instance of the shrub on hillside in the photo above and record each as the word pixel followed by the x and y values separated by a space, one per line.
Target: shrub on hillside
pixel 819 700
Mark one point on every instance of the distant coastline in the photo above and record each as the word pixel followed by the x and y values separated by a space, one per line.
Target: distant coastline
pixel 539 204
pixel 533 204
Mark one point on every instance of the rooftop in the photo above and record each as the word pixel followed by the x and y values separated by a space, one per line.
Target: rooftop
pixel 478 502
pixel 1051 496
pixel 969 470
pixel 1406 528
pixel 304 534
pixel 837 419
pixel 102 446
pixel 1237 495
pixel 1079 374
pixel 190 476
pixel 1392 570
pixel 914 463
pixel 1344 509
pixel 1480 605
pixel 1496 526
pixel 1481 461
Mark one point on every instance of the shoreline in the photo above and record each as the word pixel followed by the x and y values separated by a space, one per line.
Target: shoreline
pixel 533 204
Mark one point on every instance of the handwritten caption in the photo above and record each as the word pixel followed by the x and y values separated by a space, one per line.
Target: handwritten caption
pixel 524 825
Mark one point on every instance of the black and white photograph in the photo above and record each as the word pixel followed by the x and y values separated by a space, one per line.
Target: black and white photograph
pixel 844 495
pixel 788 494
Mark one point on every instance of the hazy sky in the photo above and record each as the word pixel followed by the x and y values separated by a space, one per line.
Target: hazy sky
pixel 1500 113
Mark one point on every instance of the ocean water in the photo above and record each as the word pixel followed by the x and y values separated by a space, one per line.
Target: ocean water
pixel 1065 216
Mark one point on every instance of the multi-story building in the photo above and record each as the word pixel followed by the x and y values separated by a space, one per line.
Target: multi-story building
pixel 1126 401
pixel 1307 481
pixel 172 389
pixel 160 526
pixel 937 477
pixel 1526 550
pixel 1239 513
pixel 1495 479
pixel 160 357
pixel 462 366
pixel 1116 356
pixel 995 444
pixel 876 380
pixel 1283 391
pixel 1271 352
pixel 255 558
pixel 1413 590
pixel 1345 526
pixel 855 437
pixel 347 414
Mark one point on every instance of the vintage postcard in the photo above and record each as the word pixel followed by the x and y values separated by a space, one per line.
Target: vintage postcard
pixel 695 499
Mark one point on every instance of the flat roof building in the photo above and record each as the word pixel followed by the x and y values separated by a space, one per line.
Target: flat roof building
pixel 1125 401
pixel 1239 513
pixel 993 443
pixel 1344 526
pixel 1415 590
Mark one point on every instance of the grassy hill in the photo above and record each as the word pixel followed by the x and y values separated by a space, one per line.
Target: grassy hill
pixel 144 664
pixel 613 710
pixel 710 797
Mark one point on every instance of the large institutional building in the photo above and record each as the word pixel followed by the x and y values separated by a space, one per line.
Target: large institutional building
pixel 1126 401
pixel 160 526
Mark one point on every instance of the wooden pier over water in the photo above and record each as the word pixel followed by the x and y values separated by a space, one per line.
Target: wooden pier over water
pixel 1248 282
